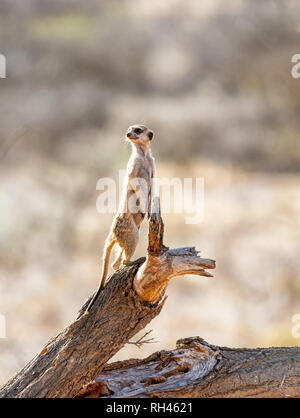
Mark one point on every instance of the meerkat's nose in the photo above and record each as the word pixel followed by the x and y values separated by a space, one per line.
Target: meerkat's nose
pixel 150 135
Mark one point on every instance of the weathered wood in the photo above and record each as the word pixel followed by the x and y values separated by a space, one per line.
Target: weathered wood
pixel 76 355
pixel 154 274
pixel 156 230
pixel 197 369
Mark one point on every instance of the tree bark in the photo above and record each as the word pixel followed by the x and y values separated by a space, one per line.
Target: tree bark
pixel 133 296
pixel 196 369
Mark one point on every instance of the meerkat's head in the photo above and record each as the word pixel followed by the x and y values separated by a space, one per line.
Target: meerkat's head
pixel 139 134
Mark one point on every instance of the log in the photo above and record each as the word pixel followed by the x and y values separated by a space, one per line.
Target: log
pixel 196 369
pixel 133 296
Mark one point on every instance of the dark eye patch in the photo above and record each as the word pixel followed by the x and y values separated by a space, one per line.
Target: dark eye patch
pixel 138 130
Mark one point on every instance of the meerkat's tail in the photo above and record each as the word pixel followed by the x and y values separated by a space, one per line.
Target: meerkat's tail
pixel 106 257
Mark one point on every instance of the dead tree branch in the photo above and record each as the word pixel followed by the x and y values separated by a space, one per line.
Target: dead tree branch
pixel 141 341
pixel 131 299
pixel 196 369
pixel 73 364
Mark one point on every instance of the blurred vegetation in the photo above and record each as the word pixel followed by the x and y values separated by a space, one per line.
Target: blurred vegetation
pixel 213 80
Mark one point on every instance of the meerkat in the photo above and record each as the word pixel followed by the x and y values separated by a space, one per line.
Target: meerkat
pixel 134 203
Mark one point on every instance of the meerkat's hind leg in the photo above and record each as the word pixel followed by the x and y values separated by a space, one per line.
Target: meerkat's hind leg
pixel 116 264
pixel 132 241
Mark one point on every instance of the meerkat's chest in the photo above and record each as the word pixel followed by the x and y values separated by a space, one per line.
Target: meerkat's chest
pixel 140 166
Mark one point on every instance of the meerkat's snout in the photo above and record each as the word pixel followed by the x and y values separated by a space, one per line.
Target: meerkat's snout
pixel 150 135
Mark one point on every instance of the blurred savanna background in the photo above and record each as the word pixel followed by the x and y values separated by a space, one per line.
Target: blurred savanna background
pixel 213 80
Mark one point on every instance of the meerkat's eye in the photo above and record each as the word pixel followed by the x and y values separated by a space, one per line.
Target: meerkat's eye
pixel 138 131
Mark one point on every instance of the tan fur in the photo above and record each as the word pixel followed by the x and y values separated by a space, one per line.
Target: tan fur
pixel 125 226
